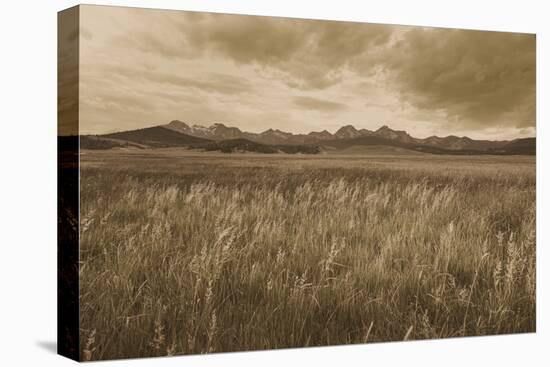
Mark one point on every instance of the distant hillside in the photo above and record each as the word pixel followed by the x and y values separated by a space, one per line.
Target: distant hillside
pixel 372 150
pixel 519 146
pixel 239 145
pixel 527 146
pixel 362 140
pixel 97 142
pixel 158 137
pixel 343 144
pixel 244 145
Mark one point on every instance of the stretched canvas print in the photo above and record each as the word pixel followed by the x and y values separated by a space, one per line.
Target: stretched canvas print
pixel 235 183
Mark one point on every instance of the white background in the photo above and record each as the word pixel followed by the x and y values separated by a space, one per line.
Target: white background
pixel 28 182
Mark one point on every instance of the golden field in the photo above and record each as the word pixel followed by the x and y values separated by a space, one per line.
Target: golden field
pixel 185 253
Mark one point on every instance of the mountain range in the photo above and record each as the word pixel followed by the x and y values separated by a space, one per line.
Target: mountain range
pixel 220 137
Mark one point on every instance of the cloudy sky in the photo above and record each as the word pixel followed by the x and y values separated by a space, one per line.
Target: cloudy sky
pixel 140 68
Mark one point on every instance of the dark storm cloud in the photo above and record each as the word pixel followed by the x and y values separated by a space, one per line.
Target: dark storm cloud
pixel 478 78
pixel 305 54
pixel 310 103
pixel 246 39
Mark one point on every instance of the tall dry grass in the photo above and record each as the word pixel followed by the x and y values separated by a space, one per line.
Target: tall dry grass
pixel 275 258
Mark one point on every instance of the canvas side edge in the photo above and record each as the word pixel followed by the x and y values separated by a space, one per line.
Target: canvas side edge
pixel 68 219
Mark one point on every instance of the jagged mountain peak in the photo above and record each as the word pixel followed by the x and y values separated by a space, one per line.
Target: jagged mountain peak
pixel 178 123
pixel 347 131
pixel 323 135
pixel 348 127
pixel 388 133
pixel 386 128
pixel 324 132
pixel 179 126
pixel 220 125
pixel 276 131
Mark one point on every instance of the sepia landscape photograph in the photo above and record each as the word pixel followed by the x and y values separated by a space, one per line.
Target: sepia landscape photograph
pixel 253 183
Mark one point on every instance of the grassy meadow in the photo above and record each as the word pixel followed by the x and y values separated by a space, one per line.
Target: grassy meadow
pixel 186 253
